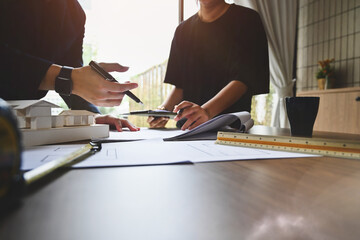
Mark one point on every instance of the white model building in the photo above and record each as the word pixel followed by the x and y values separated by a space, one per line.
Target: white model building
pixel 33 114
pixel 36 114
pixel 77 117
pixel 39 127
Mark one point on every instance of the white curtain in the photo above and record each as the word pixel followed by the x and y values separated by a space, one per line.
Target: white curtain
pixel 279 19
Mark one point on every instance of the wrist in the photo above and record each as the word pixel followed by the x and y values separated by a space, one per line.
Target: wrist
pixel 75 76
pixel 48 82
pixel 209 110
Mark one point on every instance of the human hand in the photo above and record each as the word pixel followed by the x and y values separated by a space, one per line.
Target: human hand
pixel 194 113
pixel 157 122
pixel 95 89
pixel 117 122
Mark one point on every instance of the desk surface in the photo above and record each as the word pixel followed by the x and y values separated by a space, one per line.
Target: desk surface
pixel 302 198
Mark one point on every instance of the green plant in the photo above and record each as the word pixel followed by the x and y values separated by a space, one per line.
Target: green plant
pixel 325 70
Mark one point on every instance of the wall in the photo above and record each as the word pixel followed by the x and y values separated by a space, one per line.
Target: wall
pixel 328 29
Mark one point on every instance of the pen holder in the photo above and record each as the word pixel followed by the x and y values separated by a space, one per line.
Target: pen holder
pixel 302 112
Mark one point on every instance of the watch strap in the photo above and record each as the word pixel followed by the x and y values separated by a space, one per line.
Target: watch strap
pixel 63 82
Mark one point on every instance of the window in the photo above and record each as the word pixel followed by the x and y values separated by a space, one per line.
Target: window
pixel 137 34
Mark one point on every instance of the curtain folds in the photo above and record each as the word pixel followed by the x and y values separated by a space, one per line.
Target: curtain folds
pixel 279 19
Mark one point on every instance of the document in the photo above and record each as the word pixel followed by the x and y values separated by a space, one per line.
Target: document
pixel 151 152
pixel 241 122
pixel 206 131
pixel 144 133
pixel 146 152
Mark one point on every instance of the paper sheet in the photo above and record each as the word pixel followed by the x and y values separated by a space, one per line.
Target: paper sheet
pixel 213 125
pixel 205 131
pixel 151 152
pixel 144 133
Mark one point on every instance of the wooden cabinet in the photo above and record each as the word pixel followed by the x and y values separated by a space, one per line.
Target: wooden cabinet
pixel 339 111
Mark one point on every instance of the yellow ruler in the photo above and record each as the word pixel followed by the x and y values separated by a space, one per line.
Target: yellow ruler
pixel 320 146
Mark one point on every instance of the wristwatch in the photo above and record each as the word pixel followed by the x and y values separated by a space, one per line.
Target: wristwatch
pixel 63 82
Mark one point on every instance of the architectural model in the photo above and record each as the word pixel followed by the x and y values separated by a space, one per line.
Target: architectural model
pixel 39 127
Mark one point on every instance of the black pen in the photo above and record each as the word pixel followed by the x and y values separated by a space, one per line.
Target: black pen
pixel 180 111
pixel 94 65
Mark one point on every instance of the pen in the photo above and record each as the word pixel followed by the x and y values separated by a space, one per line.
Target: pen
pixel 97 68
pixel 180 111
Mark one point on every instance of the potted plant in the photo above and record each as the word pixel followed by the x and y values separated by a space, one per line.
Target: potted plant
pixel 325 74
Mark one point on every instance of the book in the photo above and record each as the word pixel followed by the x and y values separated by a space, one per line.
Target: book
pixel 230 122
pixel 152 113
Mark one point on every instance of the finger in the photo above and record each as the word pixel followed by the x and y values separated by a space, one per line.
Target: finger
pixel 200 121
pixel 186 113
pixel 118 125
pixel 126 123
pixel 108 96
pixel 156 121
pixel 192 111
pixel 117 87
pixel 161 124
pixel 182 105
pixel 179 114
pixel 107 103
pixel 100 119
pixel 107 119
pixel 150 119
pixel 188 123
pixel 113 67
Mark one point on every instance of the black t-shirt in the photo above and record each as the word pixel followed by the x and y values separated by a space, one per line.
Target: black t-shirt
pixel 34 35
pixel 205 57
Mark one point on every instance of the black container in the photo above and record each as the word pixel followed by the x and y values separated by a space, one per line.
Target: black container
pixel 302 112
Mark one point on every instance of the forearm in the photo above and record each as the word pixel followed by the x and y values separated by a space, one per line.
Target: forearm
pixel 175 97
pixel 225 98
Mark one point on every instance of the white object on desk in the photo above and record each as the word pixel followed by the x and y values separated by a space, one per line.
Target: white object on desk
pixel 144 133
pixel 77 117
pixel 32 137
pixel 34 114
pixel 38 127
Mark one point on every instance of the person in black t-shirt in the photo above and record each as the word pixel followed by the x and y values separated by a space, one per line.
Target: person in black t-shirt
pixel 218 61
pixel 37 38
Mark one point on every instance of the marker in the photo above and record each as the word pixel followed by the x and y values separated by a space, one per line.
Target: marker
pixel 97 68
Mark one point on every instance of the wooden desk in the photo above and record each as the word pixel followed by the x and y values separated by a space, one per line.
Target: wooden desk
pixel 302 198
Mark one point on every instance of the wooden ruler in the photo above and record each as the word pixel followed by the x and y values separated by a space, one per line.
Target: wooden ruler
pixel 320 146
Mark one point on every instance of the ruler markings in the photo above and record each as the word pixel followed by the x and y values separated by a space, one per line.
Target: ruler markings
pixel 326 147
